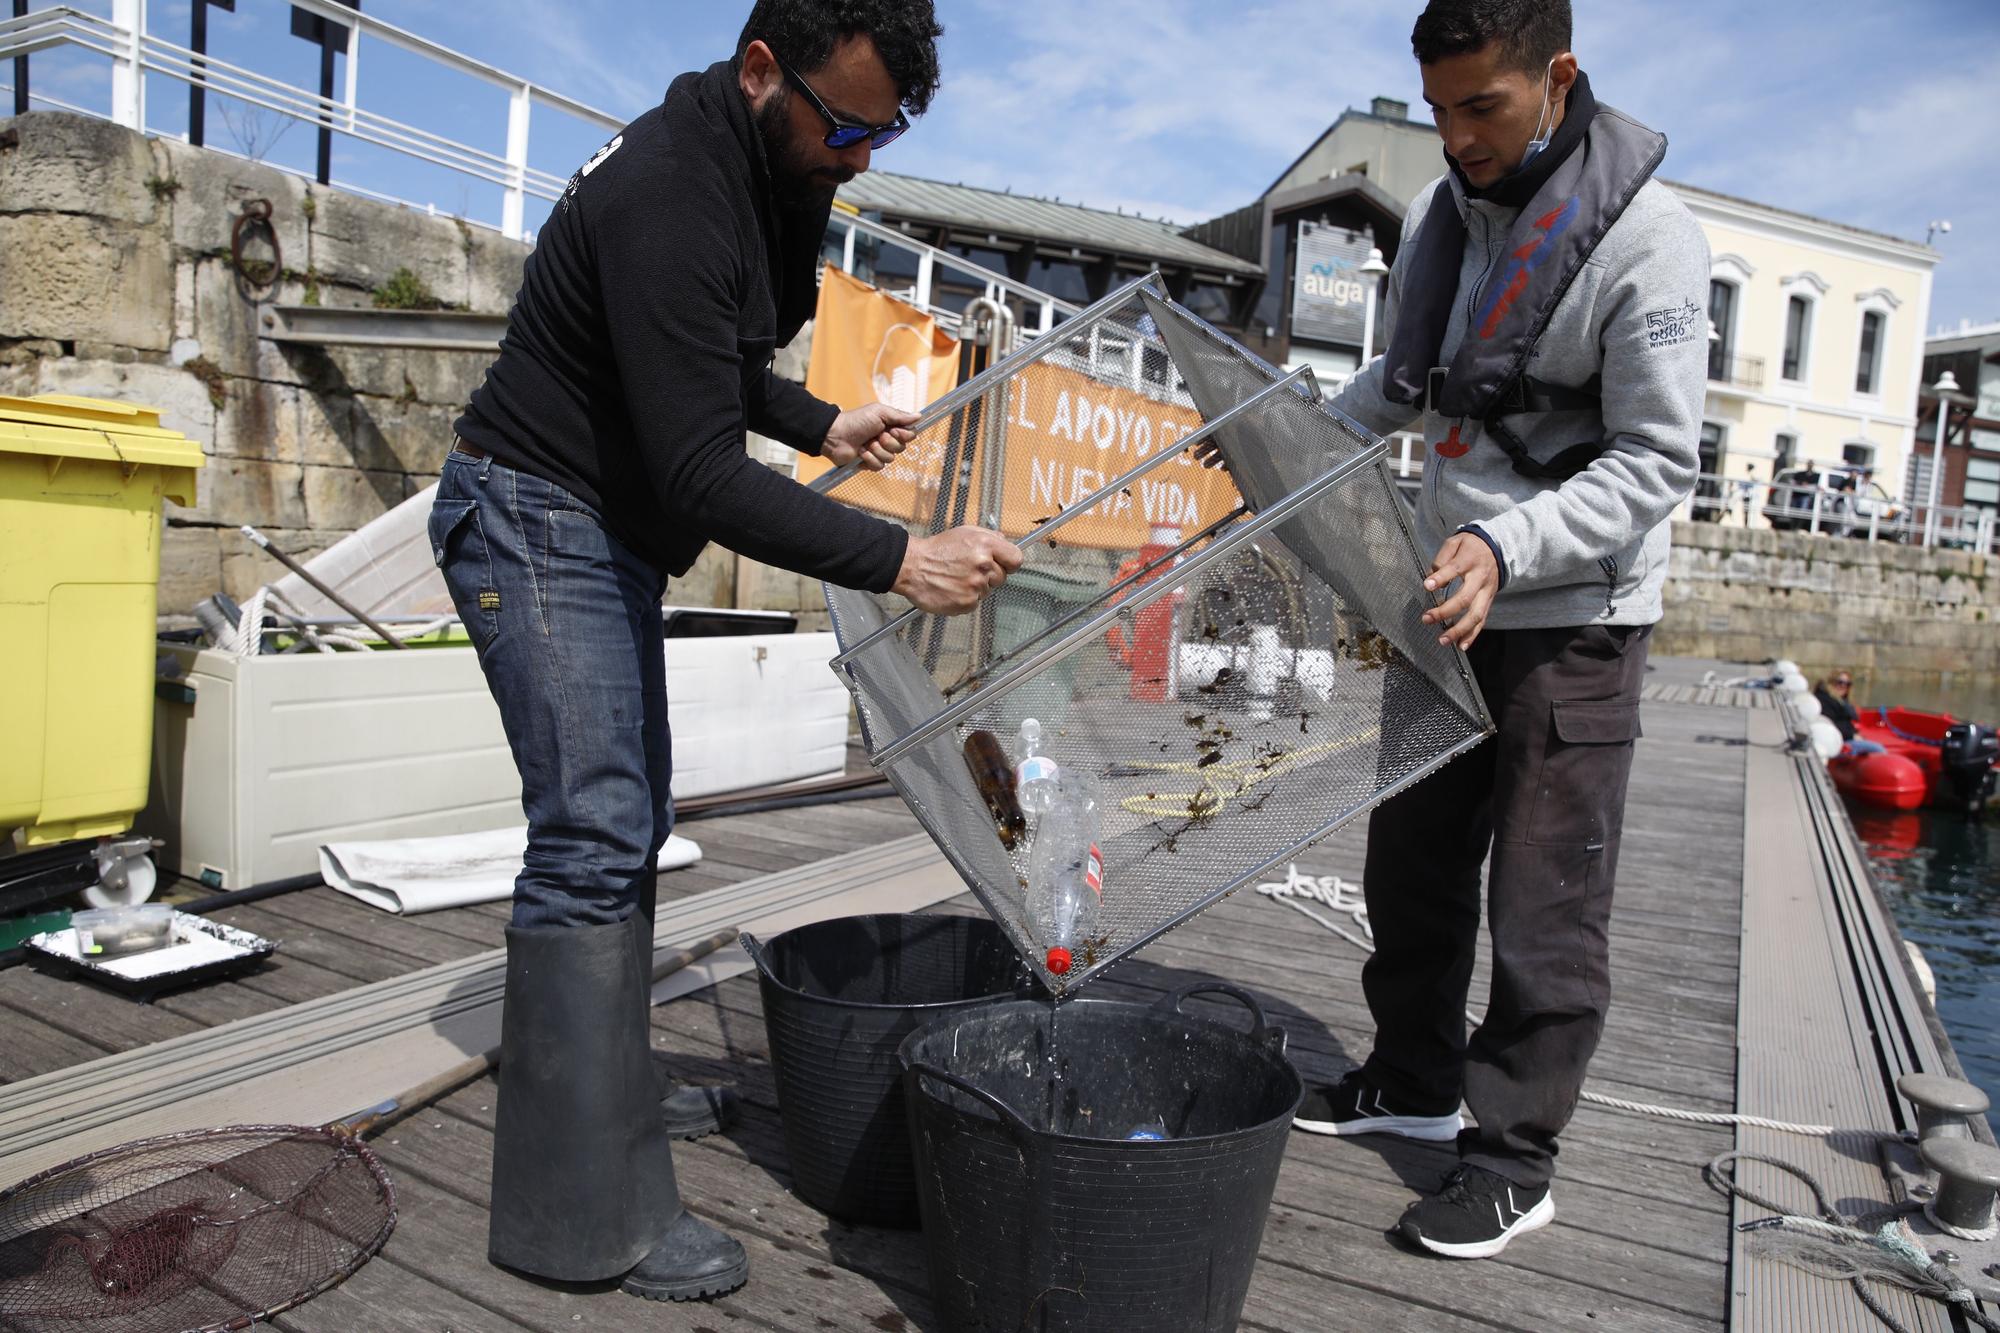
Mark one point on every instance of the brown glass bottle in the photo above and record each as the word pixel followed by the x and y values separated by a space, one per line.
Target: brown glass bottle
pixel 987 759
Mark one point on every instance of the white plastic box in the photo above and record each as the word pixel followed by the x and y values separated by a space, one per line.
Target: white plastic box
pixel 279 754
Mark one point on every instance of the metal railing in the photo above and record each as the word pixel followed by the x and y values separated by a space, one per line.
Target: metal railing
pixel 1742 372
pixel 1830 507
pixel 1825 508
pixel 134 52
pixel 851 232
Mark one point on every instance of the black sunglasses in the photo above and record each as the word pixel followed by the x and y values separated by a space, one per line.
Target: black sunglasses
pixel 842 132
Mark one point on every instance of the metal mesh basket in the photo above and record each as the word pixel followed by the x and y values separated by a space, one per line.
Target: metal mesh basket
pixel 1234 657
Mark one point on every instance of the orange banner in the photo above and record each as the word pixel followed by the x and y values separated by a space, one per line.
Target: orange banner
pixel 1066 434
pixel 868 347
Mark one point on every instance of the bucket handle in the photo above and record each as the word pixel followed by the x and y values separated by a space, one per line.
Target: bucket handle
pixel 755 948
pixel 1260 1031
pixel 1010 1119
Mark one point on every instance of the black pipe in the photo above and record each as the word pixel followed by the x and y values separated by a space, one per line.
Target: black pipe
pixel 255 893
pixel 325 173
pixel 198 86
pixel 20 67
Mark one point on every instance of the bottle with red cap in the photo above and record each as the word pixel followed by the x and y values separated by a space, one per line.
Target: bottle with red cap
pixel 1066 873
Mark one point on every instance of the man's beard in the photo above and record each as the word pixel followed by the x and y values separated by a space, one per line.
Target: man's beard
pixel 795 183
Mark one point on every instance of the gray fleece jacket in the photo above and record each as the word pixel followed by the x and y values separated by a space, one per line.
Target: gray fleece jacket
pixel 1593 549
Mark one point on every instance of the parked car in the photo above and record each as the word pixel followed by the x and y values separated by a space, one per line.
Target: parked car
pixel 1851 503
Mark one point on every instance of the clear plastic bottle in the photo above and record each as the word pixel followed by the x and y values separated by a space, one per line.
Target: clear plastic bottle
pixel 1066 874
pixel 1036 776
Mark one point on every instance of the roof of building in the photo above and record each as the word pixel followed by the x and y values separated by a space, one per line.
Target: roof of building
pixel 1000 212
pixel 1425 128
pixel 1965 338
pixel 1352 113
pixel 1681 187
pixel 1334 187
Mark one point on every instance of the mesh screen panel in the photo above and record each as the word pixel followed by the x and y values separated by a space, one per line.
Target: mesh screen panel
pixel 1233 656
pixel 192 1231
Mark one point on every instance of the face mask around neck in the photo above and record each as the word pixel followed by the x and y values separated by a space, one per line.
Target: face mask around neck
pixel 1545 124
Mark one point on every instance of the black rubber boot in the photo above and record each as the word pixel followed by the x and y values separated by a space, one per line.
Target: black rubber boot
pixel 691 1112
pixel 583 1172
pixel 695 1260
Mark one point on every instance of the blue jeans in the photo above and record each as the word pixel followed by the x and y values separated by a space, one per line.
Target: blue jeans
pixel 567 623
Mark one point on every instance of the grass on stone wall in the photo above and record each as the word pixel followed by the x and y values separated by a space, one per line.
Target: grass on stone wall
pixel 406 291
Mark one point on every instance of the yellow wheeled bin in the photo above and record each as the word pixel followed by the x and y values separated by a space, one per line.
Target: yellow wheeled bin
pixel 81 482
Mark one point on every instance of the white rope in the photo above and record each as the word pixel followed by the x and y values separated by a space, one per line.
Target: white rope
pixel 248 639
pixel 1987 1232
pixel 249 636
pixel 1334 892
pixel 1357 942
pixel 1706 1117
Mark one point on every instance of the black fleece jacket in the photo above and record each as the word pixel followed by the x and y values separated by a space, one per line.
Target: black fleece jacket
pixel 639 350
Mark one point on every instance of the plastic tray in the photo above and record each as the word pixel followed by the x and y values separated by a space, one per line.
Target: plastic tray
pixel 202 950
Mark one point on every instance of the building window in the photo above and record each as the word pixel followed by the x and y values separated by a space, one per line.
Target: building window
pixel 1722 315
pixel 1063 279
pixel 1858 456
pixel 1868 371
pixel 1982 483
pixel 1211 301
pixel 1709 500
pixel 1269 316
pixel 1798 333
pixel 1785 452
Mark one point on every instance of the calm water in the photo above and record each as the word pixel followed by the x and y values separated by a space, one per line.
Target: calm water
pixel 1941 875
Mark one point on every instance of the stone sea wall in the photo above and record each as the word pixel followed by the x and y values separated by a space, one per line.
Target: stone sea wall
pixel 1750 595
pixel 118 280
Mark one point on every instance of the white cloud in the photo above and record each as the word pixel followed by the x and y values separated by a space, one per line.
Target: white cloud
pixel 1868 113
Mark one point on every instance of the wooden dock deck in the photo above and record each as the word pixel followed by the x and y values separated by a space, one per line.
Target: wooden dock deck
pixel 1639 1241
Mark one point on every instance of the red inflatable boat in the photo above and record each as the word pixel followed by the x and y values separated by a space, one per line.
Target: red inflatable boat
pixel 1925 759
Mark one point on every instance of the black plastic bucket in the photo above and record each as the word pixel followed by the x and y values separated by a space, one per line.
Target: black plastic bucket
pixel 1040 1214
pixel 839 997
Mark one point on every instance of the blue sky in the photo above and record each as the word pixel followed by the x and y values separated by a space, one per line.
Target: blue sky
pixel 1858 110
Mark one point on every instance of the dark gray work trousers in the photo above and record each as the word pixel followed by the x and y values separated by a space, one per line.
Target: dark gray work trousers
pixel 1546 796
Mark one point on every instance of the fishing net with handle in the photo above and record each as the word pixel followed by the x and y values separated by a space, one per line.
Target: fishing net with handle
pixel 205 1230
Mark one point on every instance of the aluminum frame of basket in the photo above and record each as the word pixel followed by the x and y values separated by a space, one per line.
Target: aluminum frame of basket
pixel 1234 656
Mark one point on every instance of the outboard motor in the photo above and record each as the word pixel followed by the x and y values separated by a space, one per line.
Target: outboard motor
pixel 1969 753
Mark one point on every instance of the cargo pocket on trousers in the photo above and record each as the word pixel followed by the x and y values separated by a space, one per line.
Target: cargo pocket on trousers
pixel 458 545
pixel 1580 791
pixel 1550 935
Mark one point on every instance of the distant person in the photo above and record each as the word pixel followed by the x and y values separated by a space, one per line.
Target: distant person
pixel 1835 702
pixel 604 450
pixel 1548 332
pixel 1746 490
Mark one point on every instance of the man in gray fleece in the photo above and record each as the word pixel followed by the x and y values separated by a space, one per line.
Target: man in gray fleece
pixel 1547 325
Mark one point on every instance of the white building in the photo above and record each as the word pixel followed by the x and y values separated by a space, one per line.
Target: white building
pixel 1817 344
pixel 1819 326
